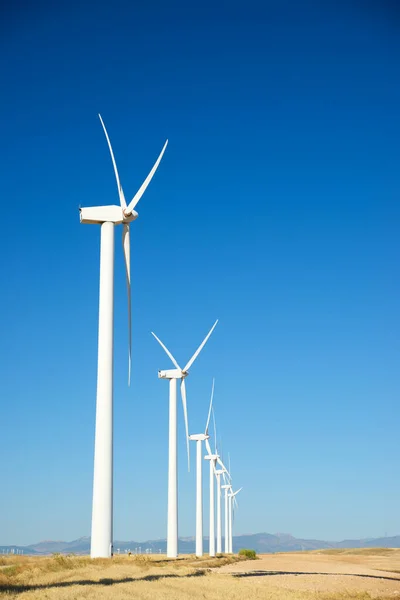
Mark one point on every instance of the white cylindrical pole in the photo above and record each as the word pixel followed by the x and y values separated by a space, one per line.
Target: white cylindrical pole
pixel 211 550
pixel 226 522
pixel 199 501
pixel 172 527
pixel 102 512
pixel 230 523
pixel 219 535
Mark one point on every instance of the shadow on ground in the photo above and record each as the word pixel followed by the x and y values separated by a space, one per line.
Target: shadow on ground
pixel 18 589
pixel 272 573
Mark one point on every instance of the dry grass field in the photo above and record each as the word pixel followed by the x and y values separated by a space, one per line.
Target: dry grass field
pixel 323 575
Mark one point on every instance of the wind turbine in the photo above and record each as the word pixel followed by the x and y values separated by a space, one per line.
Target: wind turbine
pixel 199 438
pixel 218 473
pixel 173 375
pixel 232 498
pixel 213 457
pixel 108 217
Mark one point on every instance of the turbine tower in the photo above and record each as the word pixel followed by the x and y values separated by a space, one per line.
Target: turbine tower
pixel 108 217
pixel 173 375
pixel 199 438
pixel 212 457
pixel 226 487
pixel 218 474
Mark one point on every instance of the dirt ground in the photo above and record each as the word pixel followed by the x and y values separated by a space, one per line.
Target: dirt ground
pixel 349 575
pixel 378 574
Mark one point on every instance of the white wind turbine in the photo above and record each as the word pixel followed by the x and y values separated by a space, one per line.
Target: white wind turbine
pixel 232 499
pixel 213 457
pixel 108 217
pixel 225 475
pixel 199 438
pixel 173 375
pixel 218 473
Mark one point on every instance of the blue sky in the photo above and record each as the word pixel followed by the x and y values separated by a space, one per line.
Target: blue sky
pixel 275 209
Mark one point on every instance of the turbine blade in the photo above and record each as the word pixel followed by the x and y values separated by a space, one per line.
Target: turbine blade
pixel 166 350
pixel 184 404
pixel 208 447
pixel 239 490
pixel 199 349
pixel 219 461
pixel 126 243
pixel 120 190
pixel 209 410
pixel 226 475
pixel 215 433
pixel 145 183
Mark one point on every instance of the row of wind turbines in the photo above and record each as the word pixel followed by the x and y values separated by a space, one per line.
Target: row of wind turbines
pixel 102 509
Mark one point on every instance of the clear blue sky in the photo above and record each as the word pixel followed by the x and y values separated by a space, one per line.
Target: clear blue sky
pixel 276 208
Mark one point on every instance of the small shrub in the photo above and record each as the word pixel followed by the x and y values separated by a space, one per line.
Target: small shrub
pixel 246 553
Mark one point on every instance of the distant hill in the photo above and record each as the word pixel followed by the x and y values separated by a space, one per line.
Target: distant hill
pixel 261 542
pixel 278 542
pixel 79 546
pixel 385 542
pixel 266 542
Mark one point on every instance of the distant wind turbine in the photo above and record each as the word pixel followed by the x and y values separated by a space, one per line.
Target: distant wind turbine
pixel 108 217
pixel 226 487
pixel 232 499
pixel 173 375
pixel 218 473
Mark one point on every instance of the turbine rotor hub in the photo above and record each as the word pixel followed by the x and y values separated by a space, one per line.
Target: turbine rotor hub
pixel 128 218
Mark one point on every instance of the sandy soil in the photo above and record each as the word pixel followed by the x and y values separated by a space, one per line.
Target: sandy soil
pixel 298 576
pixel 323 573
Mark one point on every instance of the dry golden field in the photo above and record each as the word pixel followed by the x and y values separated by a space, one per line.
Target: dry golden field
pixel 324 575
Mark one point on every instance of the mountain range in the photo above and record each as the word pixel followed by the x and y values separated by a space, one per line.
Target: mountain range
pixel 260 542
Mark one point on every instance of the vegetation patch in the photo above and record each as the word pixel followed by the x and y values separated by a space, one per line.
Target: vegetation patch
pixel 247 553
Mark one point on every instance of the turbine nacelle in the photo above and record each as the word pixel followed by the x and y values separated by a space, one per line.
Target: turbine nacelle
pixel 199 437
pixel 233 494
pixel 225 487
pixel 97 215
pixel 172 374
pixel 211 457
